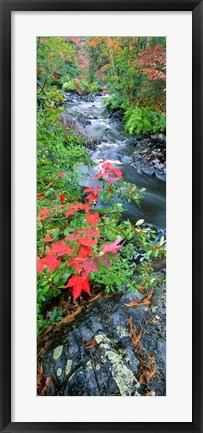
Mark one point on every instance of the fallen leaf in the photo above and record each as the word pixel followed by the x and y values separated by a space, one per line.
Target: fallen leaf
pixel 146 301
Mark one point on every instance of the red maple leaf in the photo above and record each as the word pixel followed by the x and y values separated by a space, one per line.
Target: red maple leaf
pixel 86 207
pixel 71 210
pixel 83 264
pixel 106 170
pixel 85 251
pixel 117 172
pixel 40 265
pixel 62 248
pixel 106 165
pixel 48 239
pixel 113 247
pixel 90 231
pixel 87 241
pixel 92 197
pixel 89 266
pixel 111 179
pixel 94 194
pixel 44 213
pixel 78 283
pixel 51 261
pixel 93 189
pixel 75 207
pixel 77 263
pixel 93 218
pixel 71 237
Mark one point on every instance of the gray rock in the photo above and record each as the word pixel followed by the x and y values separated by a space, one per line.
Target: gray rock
pixel 148 170
pixel 95 354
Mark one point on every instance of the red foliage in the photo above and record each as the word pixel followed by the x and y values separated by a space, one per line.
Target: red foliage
pixel 50 261
pixel 117 172
pixel 77 263
pixel 85 261
pixel 93 218
pixel 83 264
pixel 77 41
pixel 107 171
pixel 89 266
pixel 71 237
pixel 62 248
pixel 87 241
pixel 75 207
pixel 113 247
pixel 62 197
pixel 78 283
pixel 94 194
pixel 153 62
pixel 85 251
pixel 90 231
pixel 44 213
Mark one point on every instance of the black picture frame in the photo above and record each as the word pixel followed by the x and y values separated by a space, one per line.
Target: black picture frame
pixel 6 7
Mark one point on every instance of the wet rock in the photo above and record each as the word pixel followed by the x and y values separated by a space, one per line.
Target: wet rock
pixel 134 142
pixel 158 139
pixel 160 174
pixel 161 139
pixel 79 125
pixel 83 120
pixel 148 170
pixel 154 138
pixel 125 159
pixel 96 354
pixel 87 97
pixel 139 136
pixel 144 142
pixel 116 113
pixel 150 156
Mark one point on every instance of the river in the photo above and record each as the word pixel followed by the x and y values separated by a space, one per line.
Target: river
pixel 115 145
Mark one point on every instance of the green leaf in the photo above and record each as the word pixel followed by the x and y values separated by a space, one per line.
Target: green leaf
pixel 66 231
pixel 139 222
pixel 56 232
pixel 161 241
pixel 56 278
pixel 46 289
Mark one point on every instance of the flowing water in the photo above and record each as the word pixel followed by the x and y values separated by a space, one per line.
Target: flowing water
pixel 115 145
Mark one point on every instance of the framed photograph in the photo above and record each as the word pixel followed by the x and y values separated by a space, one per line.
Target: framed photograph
pixel 101 216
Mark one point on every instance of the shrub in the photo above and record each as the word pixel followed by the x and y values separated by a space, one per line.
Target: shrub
pixel 68 86
pixel 85 85
pixel 64 78
pixel 93 88
pixel 144 120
